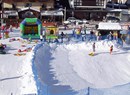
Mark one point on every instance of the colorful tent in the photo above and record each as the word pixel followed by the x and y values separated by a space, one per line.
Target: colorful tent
pixel 31 27
pixel 51 30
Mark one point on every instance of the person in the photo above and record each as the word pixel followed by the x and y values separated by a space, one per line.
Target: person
pixel 115 35
pixel 62 36
pixel 11 30
pixel 83 36
pixel 2 47
pixel 73 32
pixel 67 37
pixel 78 33
pixel 91 34
pixel 41 37
pixel 30 39
pixel 111 49
pixel 94 47
pixel 56 40
pixel 111 36
pixel 44 35
pixel 0 35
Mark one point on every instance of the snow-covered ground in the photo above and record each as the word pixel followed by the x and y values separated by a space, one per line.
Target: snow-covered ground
pixel 69 67
pixel 16 75
pixel 65 69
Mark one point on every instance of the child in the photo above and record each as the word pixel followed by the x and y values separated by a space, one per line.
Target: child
pixel 111 49
pixel 62 36
pixel 41 37
pixel 93 47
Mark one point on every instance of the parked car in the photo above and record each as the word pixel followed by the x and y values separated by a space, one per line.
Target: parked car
pixel 113 19
pixel 74 20
pixel 85 21
pixel 67 22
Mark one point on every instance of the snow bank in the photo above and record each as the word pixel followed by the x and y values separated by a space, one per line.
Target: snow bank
pixel 28 82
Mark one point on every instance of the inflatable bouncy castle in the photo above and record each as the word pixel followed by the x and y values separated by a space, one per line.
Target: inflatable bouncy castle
pixel 31 27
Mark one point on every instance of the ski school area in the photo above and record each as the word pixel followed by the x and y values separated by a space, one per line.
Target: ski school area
pixel 70 62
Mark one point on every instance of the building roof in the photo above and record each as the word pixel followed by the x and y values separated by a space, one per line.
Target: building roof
pixel 11 12
pixel 27 8
pixel 47 24
pixel 54 13
pixel 94 7
pixel 109 26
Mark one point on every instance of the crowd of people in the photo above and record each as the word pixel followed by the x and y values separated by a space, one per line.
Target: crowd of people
pixel 4 31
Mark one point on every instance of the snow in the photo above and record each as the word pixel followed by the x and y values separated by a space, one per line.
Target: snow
pixel 64 69
pixel 15 72
pixel 70 65
pixel 109 26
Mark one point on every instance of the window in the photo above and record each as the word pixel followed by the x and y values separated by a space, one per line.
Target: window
pixel 100 2
pixel 28 4
pixel 78 2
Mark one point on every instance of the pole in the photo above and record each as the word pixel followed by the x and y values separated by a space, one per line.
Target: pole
pixel 1 13
pixel 105 2
pixel 88 90
pixel 2 18
pixel 65 14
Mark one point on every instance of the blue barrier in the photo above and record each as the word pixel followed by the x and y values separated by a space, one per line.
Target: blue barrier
pixel 40 87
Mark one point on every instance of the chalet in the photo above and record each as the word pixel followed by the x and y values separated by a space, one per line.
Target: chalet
pixel 14 11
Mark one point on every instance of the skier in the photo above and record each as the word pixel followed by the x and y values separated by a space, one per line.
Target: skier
pixel 93 47
pixel 92 53
pixel 111 49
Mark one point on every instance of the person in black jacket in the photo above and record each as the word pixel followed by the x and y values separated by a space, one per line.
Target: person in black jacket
pixel 2 47
pixel 62 36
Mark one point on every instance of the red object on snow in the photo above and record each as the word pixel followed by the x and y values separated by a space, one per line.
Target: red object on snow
pixel 25 50
pixel 19 50
pixel 2 27
pixel 0 36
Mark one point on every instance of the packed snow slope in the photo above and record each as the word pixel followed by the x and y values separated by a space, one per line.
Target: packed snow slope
pixel 68 67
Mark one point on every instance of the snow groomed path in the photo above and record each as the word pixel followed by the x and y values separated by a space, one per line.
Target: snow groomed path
pixel 69 70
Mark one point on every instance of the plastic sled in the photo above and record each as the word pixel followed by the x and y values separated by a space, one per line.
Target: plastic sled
pixel 20 54
pixel 91 54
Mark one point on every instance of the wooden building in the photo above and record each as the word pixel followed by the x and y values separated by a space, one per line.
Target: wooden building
pixel 14 11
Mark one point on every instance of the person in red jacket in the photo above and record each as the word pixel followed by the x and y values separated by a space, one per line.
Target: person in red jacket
pixel 0 36
pixel 111 49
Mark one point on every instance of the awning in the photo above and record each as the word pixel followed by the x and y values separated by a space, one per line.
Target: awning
pixel 52 13
pixel 109 26
pixel 6 5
